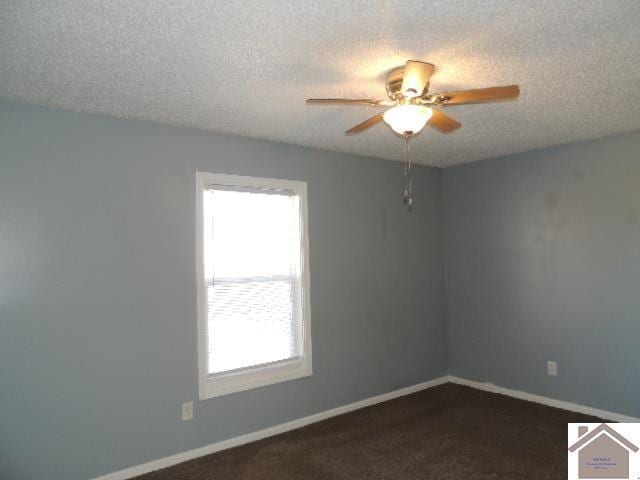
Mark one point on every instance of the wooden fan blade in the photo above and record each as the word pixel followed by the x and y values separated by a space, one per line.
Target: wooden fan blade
pixel 416 78
pixel 364 125
pixel 443 122
pixel 347 101
pixel 480 95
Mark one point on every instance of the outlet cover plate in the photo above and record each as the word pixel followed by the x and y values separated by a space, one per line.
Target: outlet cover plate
pixel 187 410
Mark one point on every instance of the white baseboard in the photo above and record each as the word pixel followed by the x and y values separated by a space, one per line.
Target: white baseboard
pixel 267 432
pixel 301 422
pixel 573 407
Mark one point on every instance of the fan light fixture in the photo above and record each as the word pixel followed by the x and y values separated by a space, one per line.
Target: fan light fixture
pixel 407 119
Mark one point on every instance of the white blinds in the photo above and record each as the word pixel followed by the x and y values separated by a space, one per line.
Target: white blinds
pixel 252 263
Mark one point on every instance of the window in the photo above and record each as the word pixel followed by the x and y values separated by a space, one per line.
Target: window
pixel 253 283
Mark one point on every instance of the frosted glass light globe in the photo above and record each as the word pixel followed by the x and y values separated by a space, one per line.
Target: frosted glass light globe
pixel 407 119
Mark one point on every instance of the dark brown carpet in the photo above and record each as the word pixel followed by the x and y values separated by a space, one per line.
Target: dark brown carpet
pixel 446 432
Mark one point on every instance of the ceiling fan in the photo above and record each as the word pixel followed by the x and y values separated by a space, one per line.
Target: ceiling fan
pixel 413 107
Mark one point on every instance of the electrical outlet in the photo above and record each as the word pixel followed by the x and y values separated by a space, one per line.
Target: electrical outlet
pixel 187 410
pixel 552 369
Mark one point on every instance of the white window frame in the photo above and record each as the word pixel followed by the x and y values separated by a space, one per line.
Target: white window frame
pixel 215 385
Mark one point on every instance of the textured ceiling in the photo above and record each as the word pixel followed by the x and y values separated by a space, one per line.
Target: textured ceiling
pixel 247 67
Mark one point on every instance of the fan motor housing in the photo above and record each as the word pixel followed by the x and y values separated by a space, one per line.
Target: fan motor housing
pixel 394 84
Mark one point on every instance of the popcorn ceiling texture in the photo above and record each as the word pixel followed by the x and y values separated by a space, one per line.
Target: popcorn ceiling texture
pixel 246 67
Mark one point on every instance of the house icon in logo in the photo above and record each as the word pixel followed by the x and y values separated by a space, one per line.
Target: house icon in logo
pixel 603 453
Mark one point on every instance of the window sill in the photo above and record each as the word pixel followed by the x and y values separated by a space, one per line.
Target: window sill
pixel 213 386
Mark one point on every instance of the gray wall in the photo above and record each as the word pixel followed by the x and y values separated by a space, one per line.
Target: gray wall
pixel 97 283
pixel 543 263
pixel 97 289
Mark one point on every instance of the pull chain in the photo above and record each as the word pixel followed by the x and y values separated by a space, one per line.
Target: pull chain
pixel 213 276
pixel 407 197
